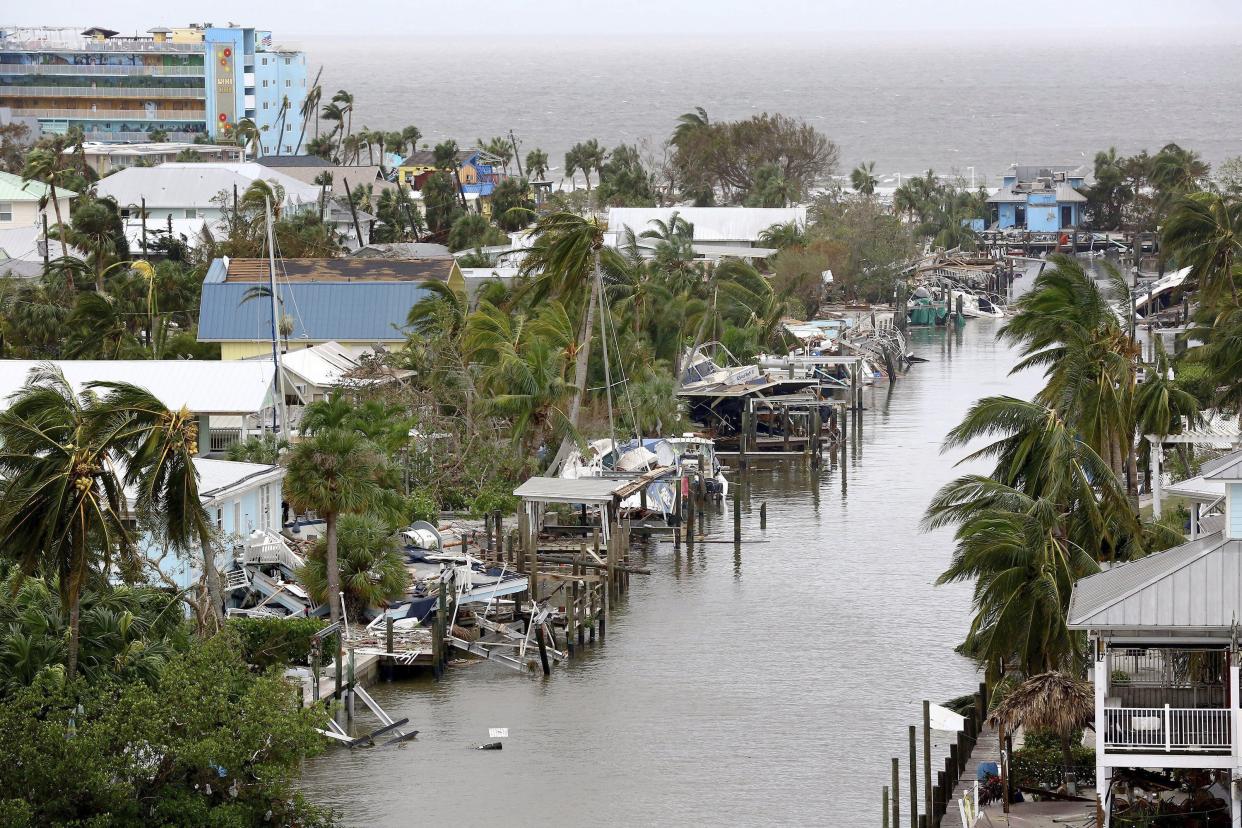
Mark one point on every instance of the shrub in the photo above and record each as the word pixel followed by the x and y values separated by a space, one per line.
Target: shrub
pixel 1040 763
pixel 421 505
pixel 279 642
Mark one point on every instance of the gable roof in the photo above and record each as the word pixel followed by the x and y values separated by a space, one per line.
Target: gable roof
pixel 196 184
pixel 13 188
pixel 342 300
pixel 1228 467
pixel 199 385
pixel 1195 586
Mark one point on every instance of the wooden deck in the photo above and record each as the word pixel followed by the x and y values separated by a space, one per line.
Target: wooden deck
pixel 987 749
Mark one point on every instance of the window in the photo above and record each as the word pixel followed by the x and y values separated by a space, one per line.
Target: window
pixel 220 518
pixel 265 83
pixel 6 211
pixel 237 517
pixel 286 61
pixel 288 126
pixel 288 82
pixel 265 497
pixel 265 61
pixel 265 104
pixel 191 213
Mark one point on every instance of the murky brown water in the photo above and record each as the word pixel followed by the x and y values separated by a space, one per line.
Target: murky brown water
pixel 761 686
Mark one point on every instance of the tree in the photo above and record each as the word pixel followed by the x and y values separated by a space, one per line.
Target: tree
pixel 862 178
pixel 473 230
pixel 585 157
pixel 63 510
pixel 207 742
pixel 248 135
pixel 513 206
pixel 335 472
pixel 1204 233
pixel 332 111
pixel 46 164
pixel 537 164
pixel 372 566
pixel 345 100
pixel 440 201
pixel 308 107
pixel 624 180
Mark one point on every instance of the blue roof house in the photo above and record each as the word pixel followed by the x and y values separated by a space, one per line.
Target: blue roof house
pixel 358 303
pixel 1039 199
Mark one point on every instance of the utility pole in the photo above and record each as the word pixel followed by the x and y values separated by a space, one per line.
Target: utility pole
pixel 143 214
pixel 516 156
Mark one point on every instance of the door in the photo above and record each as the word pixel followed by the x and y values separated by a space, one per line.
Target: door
pixel 1067 215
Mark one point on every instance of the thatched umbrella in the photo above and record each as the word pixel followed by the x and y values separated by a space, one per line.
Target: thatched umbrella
pixel 1049 701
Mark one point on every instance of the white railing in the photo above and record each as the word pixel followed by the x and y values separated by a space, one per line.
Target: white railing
pixel 99 69
pixel 968 807
pixel 1167 729
pixel 270 548
pixel 148 92
pixel 223 438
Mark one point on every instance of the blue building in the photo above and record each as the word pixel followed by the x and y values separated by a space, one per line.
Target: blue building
pixel 1039 199
pixel 192 82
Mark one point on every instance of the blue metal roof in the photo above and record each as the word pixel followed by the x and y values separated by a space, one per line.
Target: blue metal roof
pixel 321 311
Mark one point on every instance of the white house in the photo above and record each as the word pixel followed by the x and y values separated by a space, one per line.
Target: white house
pixel 187 196
pixel 21 223
pixel 1165 648
pixel 717 231
pixel 232 399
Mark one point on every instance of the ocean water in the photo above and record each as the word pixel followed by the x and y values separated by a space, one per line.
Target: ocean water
pixel 942 102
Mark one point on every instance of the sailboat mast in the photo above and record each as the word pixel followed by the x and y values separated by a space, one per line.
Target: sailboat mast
pixel 282 425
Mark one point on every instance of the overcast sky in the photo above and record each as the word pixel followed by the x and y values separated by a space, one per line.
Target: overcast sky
pixel 423 18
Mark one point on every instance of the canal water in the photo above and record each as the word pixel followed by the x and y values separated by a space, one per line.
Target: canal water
pixel 769 684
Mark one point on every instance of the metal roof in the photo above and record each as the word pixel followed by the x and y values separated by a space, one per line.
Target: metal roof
pixel 711 224
pixel 1197 585
pixel 293 161
pixel 195 185
pixel 565 490
pixel 1228 467
pixel 200 385
pixel 1198 489
pixel 13 188
pixel 324 365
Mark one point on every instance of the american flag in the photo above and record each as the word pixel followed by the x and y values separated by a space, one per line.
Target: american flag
pixel 267 39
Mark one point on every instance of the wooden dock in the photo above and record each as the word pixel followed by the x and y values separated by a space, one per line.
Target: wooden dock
pixel 987 749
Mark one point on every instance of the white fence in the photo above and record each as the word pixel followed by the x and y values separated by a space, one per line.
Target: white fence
pixel 968 807
pixel 1167 729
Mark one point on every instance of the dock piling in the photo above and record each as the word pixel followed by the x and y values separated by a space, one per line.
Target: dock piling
pixel 896 791
pixel 884 796
pixel 914 778
pixel 927 785
pixel 763 515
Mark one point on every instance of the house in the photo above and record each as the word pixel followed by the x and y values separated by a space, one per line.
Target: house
pixel 358 303
pixel 716 231
pixel 1165 654
pixel 478 171
pixel 311 169
pixel 239 498
pixel 312 373
pixel 1039 199
pixel 20 203
pixel 188 196
pixel 232 400
pixel 107 158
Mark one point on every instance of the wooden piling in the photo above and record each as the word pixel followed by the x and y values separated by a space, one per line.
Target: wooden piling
pixel 743 438
pixel 914 778
pixel 927 784
pixel 763 515
pixel 543 650
pixel 896 794
pixel 884 798
pixel 737 514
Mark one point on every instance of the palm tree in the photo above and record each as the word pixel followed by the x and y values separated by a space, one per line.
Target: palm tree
pixel 46 164
pixel 566 262
pixel 345 100
pixel 335 472
pixel 1068 326
pixel 280 126
pixel 863 179
pixel 158 446
pixel 410 136
pixel 688 124
pixel 781 236
pixel 372 569
pixel 63 511
pixel 332 112
pixel 247 133
pixel 310 105
pixel 1204 233
pixel 1050 701
pixel 536 164
pixel 585 157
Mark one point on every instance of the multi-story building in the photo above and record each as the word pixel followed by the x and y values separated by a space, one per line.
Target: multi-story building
pixel 191 82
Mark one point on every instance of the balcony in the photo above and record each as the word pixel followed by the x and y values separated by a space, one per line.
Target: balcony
pixel 87 70
pixel 147 92
pixel 114 114
pixel 1167 729
pixel 98 46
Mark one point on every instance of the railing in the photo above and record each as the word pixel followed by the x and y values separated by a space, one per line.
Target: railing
pixel 116 114
pixel 271 549
pixel 1167 729
pixel 145 46
pixel 124 135
pixel 223 438
pixel 24 69
pixel 1178 677
pixel 149 92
